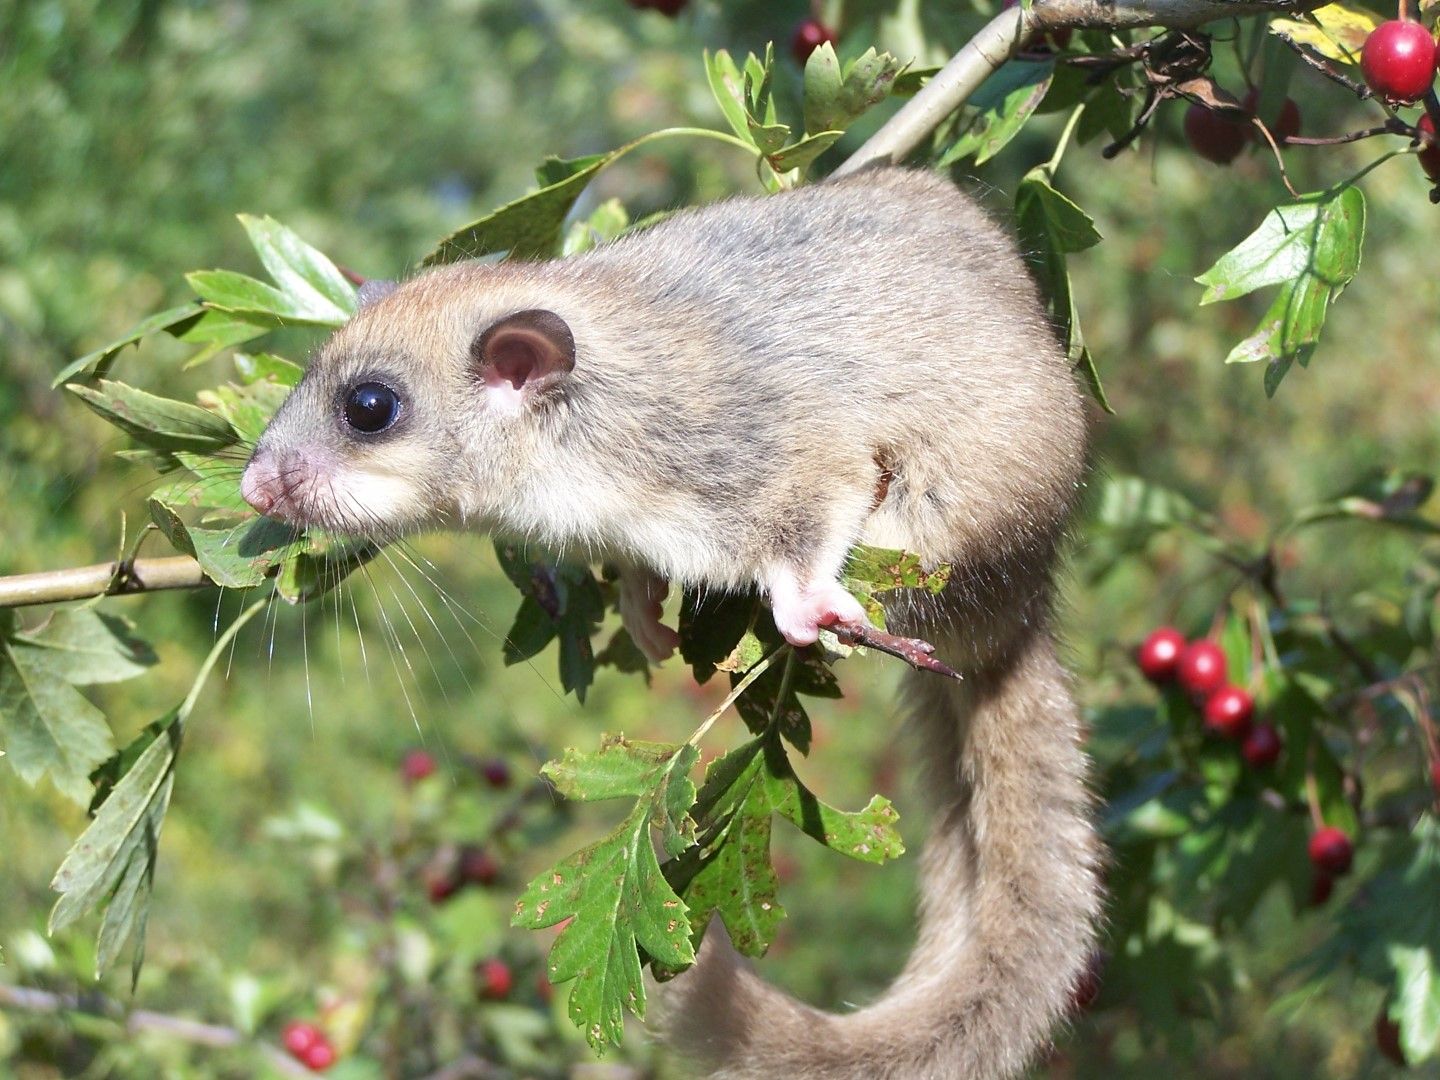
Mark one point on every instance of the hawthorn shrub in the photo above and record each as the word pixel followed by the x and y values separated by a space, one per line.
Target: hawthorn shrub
pixel 1260 715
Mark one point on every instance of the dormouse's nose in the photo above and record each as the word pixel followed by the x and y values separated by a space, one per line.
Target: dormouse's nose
pixel 260 485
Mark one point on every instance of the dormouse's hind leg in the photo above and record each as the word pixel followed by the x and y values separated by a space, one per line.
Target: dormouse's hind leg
pixel 641 595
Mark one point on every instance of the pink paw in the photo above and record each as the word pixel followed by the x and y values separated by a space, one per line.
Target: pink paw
pixel 641 594
pixel 800 614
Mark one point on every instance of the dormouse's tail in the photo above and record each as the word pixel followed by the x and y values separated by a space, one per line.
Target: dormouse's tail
pixel 1009 903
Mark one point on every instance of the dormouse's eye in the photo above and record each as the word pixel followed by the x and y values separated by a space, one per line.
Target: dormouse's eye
pixel 371 407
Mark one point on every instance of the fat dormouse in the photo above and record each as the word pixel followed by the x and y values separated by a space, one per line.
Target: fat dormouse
pixel 732 399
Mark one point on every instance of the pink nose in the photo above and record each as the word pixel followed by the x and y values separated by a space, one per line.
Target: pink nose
pixel 260 484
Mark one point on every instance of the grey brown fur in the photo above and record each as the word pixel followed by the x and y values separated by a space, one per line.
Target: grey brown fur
pixel 742 373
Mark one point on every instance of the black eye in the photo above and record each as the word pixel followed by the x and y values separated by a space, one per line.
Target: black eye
pixel 371 407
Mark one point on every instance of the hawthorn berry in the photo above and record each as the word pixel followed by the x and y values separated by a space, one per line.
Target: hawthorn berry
pixel 496 772
pixel 1331 851
pixel 1214 136
pixel 1283 125
pixel 1435 775
pixel 1387 1038
pixel 493 979
pixel 1200 669
pixel 809 35
pixel 441 885
pixel 1228 712
pixel 1429 154
pixel 1262 746
pixel 1321 886
pixel 1158 653
pixel 478 866
pixel 1398 60
pixel 298 1036
pixel 319 1057
pixel 417 765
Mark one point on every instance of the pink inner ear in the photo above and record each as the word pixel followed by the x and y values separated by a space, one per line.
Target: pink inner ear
pixel 514 358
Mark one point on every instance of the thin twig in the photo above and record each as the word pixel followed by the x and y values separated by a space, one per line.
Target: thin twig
pixel 102 579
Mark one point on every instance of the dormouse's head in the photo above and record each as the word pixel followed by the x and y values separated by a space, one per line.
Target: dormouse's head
pixel 390 426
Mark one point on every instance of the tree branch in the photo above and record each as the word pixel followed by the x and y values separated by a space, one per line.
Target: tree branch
pixel 102 579
pixel 1003 36
pixel 143 1020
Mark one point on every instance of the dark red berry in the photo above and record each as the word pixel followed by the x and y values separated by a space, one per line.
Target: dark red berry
pixel 478 866
pixel 1398 60
pixel 809 35
pixel 1435 775
pixel 1331 851
pixel 1201 668
pixel 298 1036
pixel 319 1057
pixel 417 765
pixel 1387 1038
pixel 441 885
pixel 493 979
pixel 1262 746
pixel 1214 136
pixel 1228 712
pixel 1284 125
pixel 1087 986
pixel 1321 886
pixel 1158 654
pixel 1429 154
pixel 496 772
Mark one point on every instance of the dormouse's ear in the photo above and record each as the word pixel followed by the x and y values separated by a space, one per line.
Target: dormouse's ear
pixel 524 354
pixel 375 290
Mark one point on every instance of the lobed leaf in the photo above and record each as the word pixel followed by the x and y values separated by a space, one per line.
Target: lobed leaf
pixel 301 272
pixel 1004 102
pixel 158 423
pixel 835 99
pixel 1336 31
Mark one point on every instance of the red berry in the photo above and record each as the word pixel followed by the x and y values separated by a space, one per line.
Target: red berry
pixel 1331 851
pixel 1398 60
pixel 1387 1038
pixel 478 866
pixel 298 1036
pixel 1435 775
pixel 1201 668
pixel 1321 886
pixel 417 765
pixel 1228 711
pixel 809 35
pixel 1429 154
pixel 493 979
pixel 496 772
pixel 1087 986
pixel 441 885
pixel 1262 746
pixel 319 1057
pixel 1284 125
pixel 1159 652
pixel 1214 136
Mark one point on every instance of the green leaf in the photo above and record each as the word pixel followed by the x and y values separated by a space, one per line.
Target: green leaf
pixel 799 155
pixel 712 626
pixel 613 890
pixel 1312 250
pixel 870 571
pixel 834 99
pixel 1051 227
pixel 301 272
pixel 569 598
pixel 262 367
pixel 1416 1007
pixel 254 301
pixel 1392 498
pixel 159 423
pixel 239 557
pixel 1131 505
pixel 84 647
pixel 99 361
pixel 248 408
pixel 216 331
pixel 114 857
pixel 326 562
pixel 1003 104
pixel 49 729
pixel 727 84
pixel 606 222
pixel 1336 31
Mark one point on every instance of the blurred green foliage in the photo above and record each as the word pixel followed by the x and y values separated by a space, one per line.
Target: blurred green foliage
pixel 297 864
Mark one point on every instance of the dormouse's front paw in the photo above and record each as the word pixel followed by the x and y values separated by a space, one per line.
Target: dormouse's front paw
pixel 802 612
pixel 641 597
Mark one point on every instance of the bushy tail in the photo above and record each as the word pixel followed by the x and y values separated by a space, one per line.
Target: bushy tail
pixel 1009 903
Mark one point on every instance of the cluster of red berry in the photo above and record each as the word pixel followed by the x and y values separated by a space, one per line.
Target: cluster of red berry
pixel 308 1045
pixel 1199 668
pixel 1219 137
pixel 1399 61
